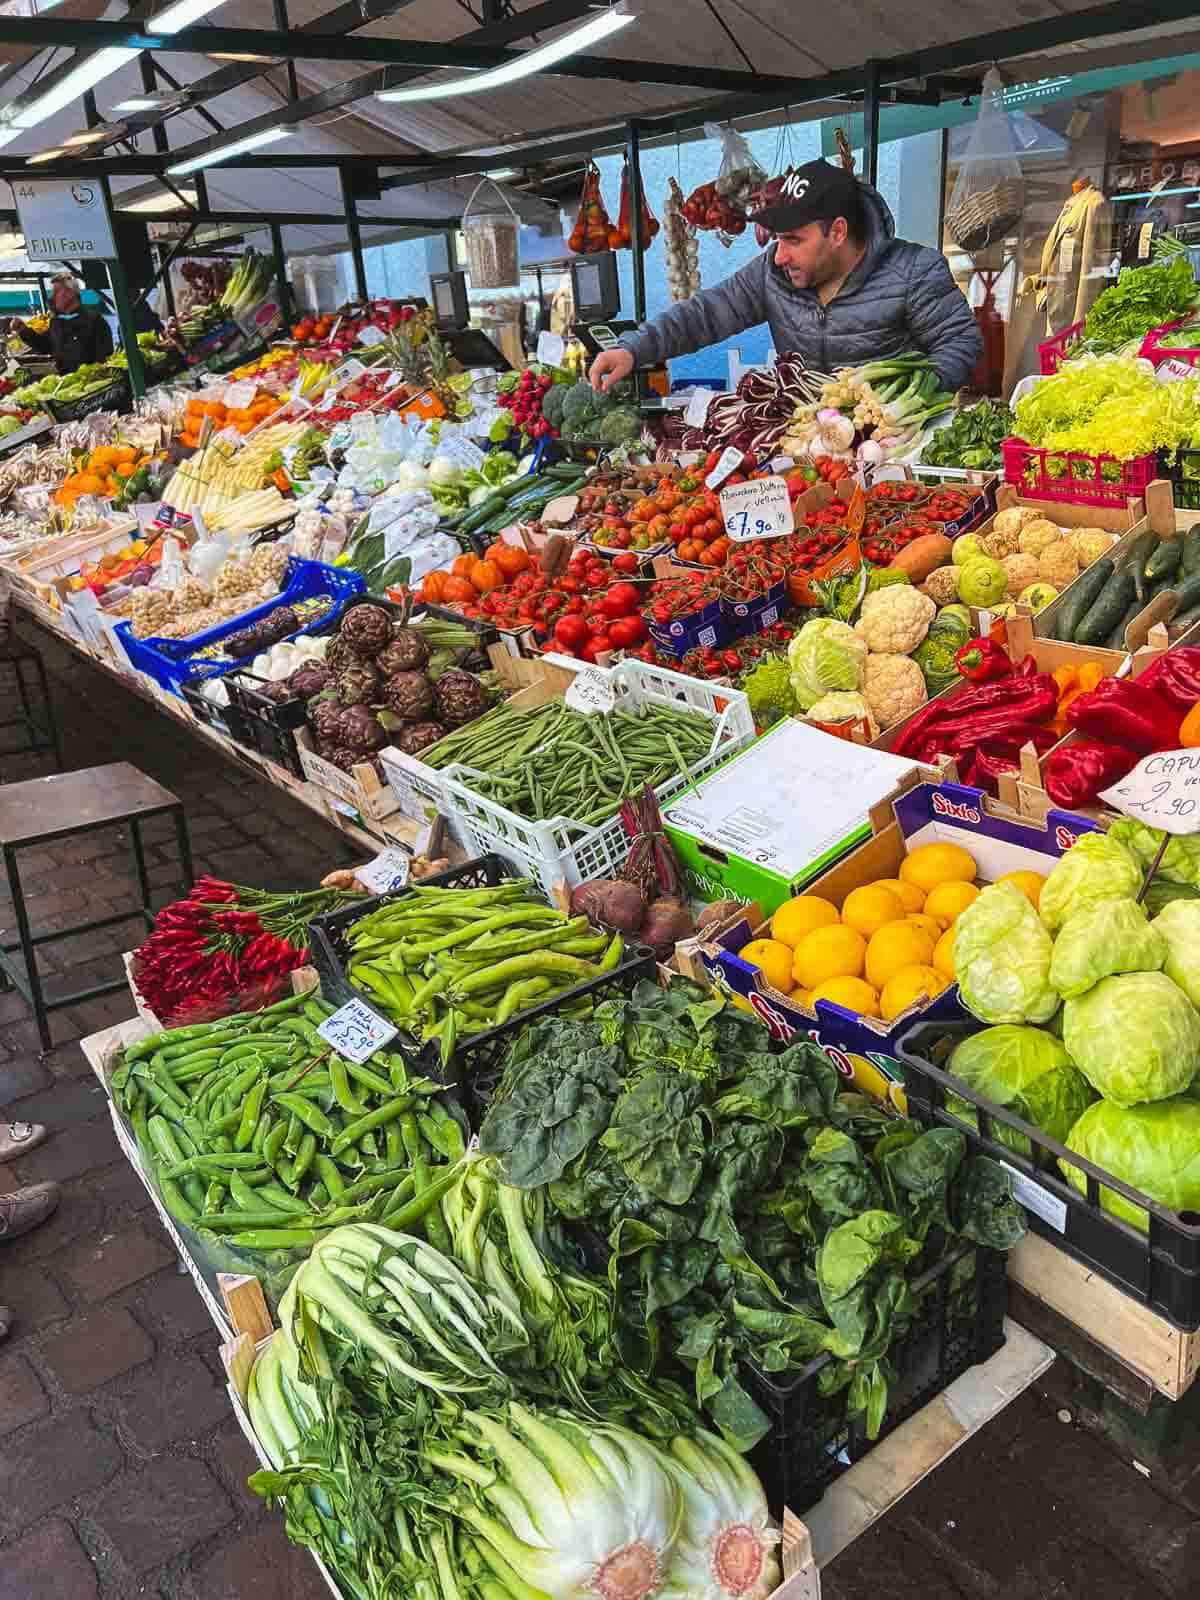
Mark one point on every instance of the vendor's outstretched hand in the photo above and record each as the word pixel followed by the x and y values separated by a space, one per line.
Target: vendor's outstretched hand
pixel 609 368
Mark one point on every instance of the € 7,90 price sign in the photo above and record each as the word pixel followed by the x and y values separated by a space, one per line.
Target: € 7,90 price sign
pixel 760 509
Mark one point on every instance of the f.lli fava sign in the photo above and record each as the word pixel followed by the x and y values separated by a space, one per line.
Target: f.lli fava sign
pixel 64 220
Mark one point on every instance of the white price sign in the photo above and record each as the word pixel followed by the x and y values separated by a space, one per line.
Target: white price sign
pixel 550 349
pixel 239 395
pixel 591 691
pixel 697 407
pixel 730 461
pixel 387 873
pixel 370 336
pixel 782 464
pixel 1163 790
pixel 328 400
pixel 353 368
pixel 760 509
pixel 356 1032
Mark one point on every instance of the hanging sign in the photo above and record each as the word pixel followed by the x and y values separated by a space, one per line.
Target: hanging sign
pixel 64 220
pixel 370 336
pixel 1163 790
pixel 550 349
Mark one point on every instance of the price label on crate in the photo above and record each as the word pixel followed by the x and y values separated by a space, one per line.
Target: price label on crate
pixel 591 692
pixel 697 407
pixel 370 336
pixel 1163 790
pixel 356 1032
pixel 388 871
pixel 730 461
pixel 239 395
pixel 1174 371
pixel 551 348
pixel 760 509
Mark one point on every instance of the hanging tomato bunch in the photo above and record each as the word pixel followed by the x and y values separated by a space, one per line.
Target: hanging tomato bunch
pixel 621 237
pixel 593 225
pixel 705 209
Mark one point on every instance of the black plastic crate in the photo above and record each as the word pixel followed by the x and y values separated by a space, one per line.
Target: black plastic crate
pixel 478 1061
pixel 959 1322
pixel 270 725
pixel 1160 1267
pixel 224 719
pixel 1184 473
pixel 118 396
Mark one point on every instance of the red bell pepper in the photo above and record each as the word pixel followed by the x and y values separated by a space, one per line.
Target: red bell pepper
pixel 983 661
pixel 1121 711
pixel 1075 774
pixel 992 711
pixel 1176 677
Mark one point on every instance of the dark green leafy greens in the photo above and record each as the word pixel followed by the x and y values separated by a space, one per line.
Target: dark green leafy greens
pixel 972 439
pixel 1142 298
pixel 750 1209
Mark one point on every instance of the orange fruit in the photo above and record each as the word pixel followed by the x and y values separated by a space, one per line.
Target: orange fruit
pixel 774 961
pixel 870 907
pixel 931 864
pixel 910 984
pixel 832 952
pixel 948 901
pixel 1029 883
pixel 914 898
pixel 797 917
pixel 892 948
pixel 852 994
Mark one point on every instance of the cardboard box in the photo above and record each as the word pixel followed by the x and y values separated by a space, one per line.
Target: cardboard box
pixel 864 1048
pixel 768 821
pixel 358 791
pixel 983 488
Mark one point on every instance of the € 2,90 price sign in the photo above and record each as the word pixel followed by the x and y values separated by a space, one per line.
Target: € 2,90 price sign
pixel 356 1032
pixel 760 509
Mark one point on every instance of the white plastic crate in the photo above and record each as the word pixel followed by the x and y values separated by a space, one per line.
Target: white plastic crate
pixel 419 790
pixel 559 849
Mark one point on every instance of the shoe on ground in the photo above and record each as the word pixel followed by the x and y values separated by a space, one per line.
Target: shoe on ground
pixel 19 1138
pixel 25 1209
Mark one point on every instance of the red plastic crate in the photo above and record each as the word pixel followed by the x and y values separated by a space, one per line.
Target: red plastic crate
pixel 1074 477
pixel 1150 350
pixel 1053 352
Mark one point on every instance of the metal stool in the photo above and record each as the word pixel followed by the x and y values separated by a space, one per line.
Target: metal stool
pixel 15 653
pixel 50 808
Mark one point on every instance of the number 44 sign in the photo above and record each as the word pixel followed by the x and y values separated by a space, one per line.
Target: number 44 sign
pixel 1163 790
pixel 760 509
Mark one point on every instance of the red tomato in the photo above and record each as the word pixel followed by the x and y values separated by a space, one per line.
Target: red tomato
pixel 571 632
pixel 625 562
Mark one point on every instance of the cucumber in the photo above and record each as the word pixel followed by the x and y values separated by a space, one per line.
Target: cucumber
pixel 1082 593
pixel 1190 558
pixel 1183 620
pixel 483 512
pixel 1187 594
pixel 1165 560
pixel 1104 613
pixel 1116 639
pixel 1136 557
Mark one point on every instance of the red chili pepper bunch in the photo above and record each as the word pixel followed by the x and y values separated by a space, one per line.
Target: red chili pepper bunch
pixel 225 948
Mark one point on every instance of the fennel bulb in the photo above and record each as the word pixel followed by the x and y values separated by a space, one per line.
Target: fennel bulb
pixel 726 1546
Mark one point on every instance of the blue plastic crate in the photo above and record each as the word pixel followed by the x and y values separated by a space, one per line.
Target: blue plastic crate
pixel 169 661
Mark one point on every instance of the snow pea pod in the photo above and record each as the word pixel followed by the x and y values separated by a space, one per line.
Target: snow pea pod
pixel 374 1119
pixel 311 1116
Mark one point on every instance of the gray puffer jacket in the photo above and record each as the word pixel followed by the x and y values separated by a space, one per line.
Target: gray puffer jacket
pixel 899 296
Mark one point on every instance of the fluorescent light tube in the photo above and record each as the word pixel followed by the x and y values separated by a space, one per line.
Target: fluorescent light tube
pixel 181 15
pixel 96 135
pixel 524 66
pixel 147 102
pixel 45 155
pixel 161 202
pixel 237 148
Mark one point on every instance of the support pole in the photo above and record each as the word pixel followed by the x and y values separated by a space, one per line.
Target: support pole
pixel 150 85
pixel 281 22
pixel 350 206
pixel 124 309
pixel 633 156
pixel 281 277
pixel 871 124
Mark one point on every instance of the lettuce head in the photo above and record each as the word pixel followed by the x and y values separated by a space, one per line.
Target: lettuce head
pixel 825 655
pixel 1153 1148
pixel 1028 1072
pixel 1135 1037
pixel 1096 867
pixel 1181 858
pixel 1002 958
pixel 1107 937
pixel 1179 925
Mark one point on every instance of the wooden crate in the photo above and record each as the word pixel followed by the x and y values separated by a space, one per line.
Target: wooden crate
pixel 1166 1358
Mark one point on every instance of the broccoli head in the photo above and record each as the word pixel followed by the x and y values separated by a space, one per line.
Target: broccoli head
pixel 620 426
pixel 579 408
pixel 552 404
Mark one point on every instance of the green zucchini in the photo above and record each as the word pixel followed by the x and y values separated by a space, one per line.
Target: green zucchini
pixel 1082 593
pixel 1165 560
pixel 1116 639
pixel 1183 620
pixel 1104 613
pixel 1187 594
pixel 1136 557
pixel 1190 557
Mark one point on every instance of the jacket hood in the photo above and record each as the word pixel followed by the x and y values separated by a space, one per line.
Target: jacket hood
pixel 881 233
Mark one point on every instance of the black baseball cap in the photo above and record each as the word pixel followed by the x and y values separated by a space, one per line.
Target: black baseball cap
pixel 815 192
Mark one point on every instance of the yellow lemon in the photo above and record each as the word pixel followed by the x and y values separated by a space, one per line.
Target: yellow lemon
pixel 949 900
pixel 926 923
pixel 870 907
pixel 774 961
pixel 914 898
pixel 931 864
pixel 852 993
pixel 895 946
pixel 800 916
pixel 906 987
pixel 1029 883
pixel 833 952
pixel 943 954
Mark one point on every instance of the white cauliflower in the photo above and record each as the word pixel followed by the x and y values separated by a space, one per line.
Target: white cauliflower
pixel 1089 544
pixel 1058 564
pixel 1035 536
pixel 893 686
pixel 1020 571
pixel 895 620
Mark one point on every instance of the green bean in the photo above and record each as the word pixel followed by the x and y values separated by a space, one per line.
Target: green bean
pixel 304 1157
pixel 369 1079
pixel 243 1196
pixel 375 1184
pixel 422 1204
pixel 250 1115
pixel 331 1177
pixel 273 1143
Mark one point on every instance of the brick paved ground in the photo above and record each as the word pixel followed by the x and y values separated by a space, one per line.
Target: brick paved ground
pixel 121 1469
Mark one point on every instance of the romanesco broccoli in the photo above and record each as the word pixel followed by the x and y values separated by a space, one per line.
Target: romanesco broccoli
pixel 769 690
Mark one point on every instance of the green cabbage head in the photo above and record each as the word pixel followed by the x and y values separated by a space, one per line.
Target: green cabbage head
pixel 1028 1072
pixel 1153 1148
pixel 1106 937
pixel 1179 924
pixel 1095 868
pixel 1134 1037
pixel 825 655
pixel 1002 958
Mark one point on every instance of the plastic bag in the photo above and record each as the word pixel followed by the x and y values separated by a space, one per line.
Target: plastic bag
pixel 989 193
pixel 739 174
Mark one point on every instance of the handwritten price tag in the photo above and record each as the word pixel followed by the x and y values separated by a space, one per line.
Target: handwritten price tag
pixel 356 1032
pixel 370 336
pixel 1174 371
pixel 591 692
pixel 697 407
pixel 388 871
pixel 239 395
pixel 1162 790
pixel 550 349
pixel 760 509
